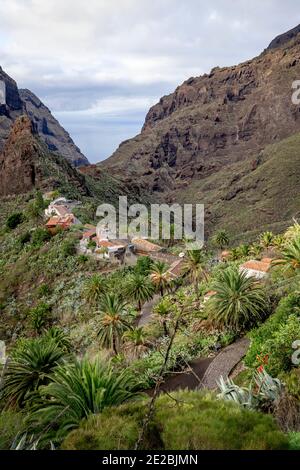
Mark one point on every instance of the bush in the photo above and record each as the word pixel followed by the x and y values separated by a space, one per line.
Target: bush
pixel 68 247
pixel 14 220
pixel 40 236
pixel 11 424
pixel 39 316
pixel 196 421
pixel 275 337
pixel 24 238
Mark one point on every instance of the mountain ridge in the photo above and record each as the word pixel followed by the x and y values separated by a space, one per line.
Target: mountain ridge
pixel 23 101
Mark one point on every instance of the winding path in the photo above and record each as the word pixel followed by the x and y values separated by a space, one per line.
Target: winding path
pixel 224 363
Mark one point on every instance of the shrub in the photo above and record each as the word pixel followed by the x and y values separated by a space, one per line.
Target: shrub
pixel 39 316
pixel 40 236
pixel 193 421
pixel 11 424
pixel 25 238
pixel 78 390
pixel 30 366
pixel 14 220
pixel 275 337
pixel 68 247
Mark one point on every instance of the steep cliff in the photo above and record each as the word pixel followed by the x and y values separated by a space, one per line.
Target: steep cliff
pixel 200 142
pixel 18 102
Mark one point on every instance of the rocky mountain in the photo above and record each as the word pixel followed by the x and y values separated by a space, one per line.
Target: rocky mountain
pixel 19 102
pixel 27 164
pixel 222 139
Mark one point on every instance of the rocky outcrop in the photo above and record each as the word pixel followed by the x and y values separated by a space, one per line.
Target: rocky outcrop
pixel 26 164
pixel 19 102
pixel 282 39
pixel 50 131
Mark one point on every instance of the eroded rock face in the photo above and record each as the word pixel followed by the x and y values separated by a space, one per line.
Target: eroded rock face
pixel 212 121
pixel 17 162
pixel 50 131
pixel 26 163
pixel 19 102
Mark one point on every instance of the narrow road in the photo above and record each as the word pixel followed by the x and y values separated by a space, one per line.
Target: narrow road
pixel 224 363
pixel 147 309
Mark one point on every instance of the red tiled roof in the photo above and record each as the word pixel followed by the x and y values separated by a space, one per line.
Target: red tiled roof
pixel 145 245
pixel 262 266
pixel 89 233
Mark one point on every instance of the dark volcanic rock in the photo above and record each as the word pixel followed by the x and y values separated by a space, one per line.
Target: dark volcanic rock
pixel 27 164
pixel 50 131
pixel 19 102
pixel 284 38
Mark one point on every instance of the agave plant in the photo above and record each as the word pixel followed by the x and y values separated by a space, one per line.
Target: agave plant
pixel 231 392
pixel 269 389
pixel 78 390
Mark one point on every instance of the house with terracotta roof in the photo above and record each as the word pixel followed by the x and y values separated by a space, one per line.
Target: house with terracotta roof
pixel 144 247
pixel 257 269
pixel 55 222
pixel 114 250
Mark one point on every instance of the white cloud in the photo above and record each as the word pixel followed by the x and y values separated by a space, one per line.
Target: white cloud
pixel 112 57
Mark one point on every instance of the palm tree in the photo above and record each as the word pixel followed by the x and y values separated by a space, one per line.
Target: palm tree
pixel 293 231
pixel 266 239
pixel 139 288
pixel 243 251
pixel 113 321
pixel 94 288
pixel 29 368
pixel 194 267
pixel 160 276
pixel 135 342
pixel 255 250
pixel 78 390
pixel 163 310
pixel 239 301
pixel 290 256
pixel 221 239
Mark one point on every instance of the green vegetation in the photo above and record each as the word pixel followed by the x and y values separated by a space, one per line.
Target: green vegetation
pixel 190 421
pixel 81 355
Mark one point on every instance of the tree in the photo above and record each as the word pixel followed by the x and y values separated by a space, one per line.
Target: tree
pixel 139 288
pixel 113 321
pixel 29 368
pixel 163 310
pixel 221 239
pixel 14 220
pixel 160 276
pixel 293 231
pixel 266 239
pixel 94 289
pixel 239 301
pixel 290 256
pixel 135 342
pixel 194 267
pixel 78 390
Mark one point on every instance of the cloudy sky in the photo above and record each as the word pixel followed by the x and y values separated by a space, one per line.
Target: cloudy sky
pixel 100 64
